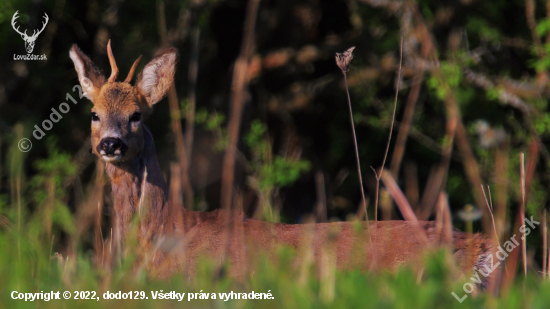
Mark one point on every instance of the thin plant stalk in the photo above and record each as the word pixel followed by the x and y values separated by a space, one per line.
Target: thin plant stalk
pixel 490 207
pixel 522 213
pixel 544 247
pixel 405 127
pixel 378 175
pixel 364 206
pixel 237 100
pixel 175 116
pixel 490 198
pixel 191 97
pixel 547 260
pixel 343 60
pixel 404 206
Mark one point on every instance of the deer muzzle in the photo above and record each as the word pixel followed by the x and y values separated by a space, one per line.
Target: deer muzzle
pixel 111 149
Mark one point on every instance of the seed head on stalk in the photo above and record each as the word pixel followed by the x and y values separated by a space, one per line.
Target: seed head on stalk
pixel 343 59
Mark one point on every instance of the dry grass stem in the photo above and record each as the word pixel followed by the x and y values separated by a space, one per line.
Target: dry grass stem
pixel 490 207
pixel 239 83
pixel 405 127
pixel 321 207
pixel 343 60
pixel 403 205
pixel 99 185
pixel 544 246
pixel 547 260
pixel 502 158
pixel 443 205
pixel 411 185
pixel 191 96
pixel 175 118
pixel 397 83
pixel 522 212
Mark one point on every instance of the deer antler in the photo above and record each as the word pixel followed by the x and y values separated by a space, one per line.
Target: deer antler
pixel 114 68
pixel 44 23
pixel 13 24
pixel 132 70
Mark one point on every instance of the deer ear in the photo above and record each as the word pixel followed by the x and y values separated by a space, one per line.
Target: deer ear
pixel 89 76
pixel 157 76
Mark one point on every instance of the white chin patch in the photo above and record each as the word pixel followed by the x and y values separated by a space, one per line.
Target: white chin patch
pixel 111 158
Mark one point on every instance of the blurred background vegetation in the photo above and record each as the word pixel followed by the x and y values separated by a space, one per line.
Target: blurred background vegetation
pixel 473 96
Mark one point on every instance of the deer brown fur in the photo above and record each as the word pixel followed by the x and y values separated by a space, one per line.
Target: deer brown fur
pixel 126 145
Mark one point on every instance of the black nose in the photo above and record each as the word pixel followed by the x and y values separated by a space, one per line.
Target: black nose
pixel 110 145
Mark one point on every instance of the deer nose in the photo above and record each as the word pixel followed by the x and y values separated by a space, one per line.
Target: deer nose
pixel 111 146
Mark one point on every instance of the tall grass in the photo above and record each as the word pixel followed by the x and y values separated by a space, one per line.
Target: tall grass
pixel 30 240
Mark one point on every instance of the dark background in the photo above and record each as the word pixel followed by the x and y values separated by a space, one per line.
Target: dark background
pixel 297 90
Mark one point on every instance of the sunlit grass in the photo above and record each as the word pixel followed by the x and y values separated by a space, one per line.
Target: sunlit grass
pixel 35 271
pixel 30 233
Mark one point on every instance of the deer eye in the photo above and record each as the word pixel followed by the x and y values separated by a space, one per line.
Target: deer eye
pixel 94 117
pixel 135 117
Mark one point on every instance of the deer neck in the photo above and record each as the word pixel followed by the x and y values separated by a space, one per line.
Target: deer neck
pixel 138 188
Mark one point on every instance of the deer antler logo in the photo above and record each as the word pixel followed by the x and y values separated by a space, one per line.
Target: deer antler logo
pixel 29 40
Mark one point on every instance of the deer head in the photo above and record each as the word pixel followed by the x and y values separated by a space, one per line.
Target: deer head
pixel 29 40
pixel 119 108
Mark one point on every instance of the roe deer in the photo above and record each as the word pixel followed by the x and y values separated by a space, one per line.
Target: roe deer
pixel 120 138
